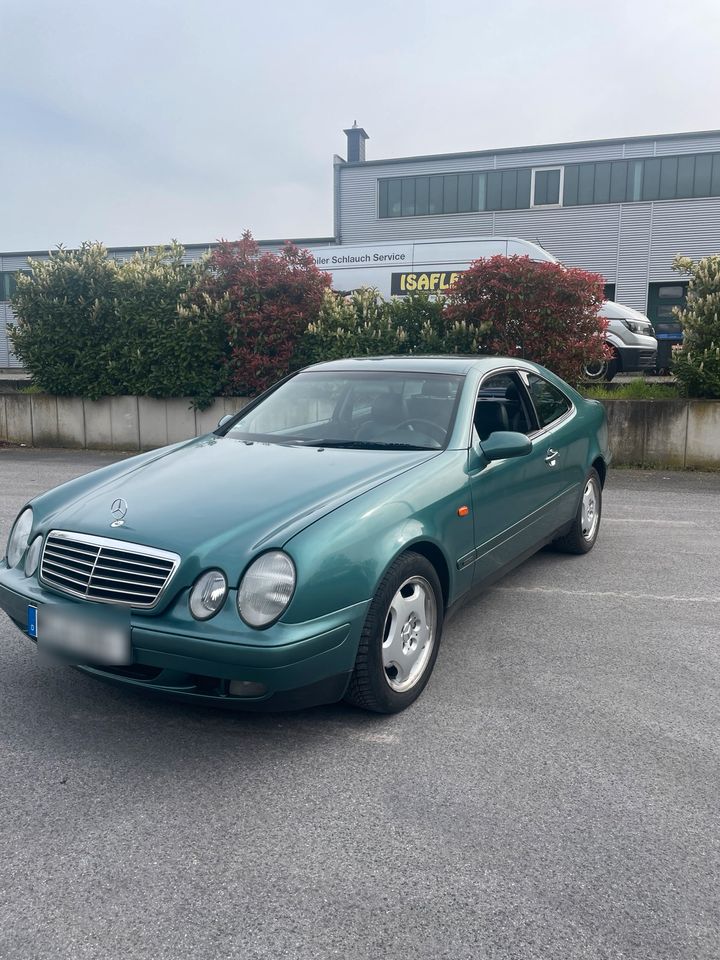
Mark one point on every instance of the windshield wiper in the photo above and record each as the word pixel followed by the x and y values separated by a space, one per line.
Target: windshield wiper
pixel 362 445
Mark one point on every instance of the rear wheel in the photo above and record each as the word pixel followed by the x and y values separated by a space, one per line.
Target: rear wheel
pixel 400 638
pixel 586 525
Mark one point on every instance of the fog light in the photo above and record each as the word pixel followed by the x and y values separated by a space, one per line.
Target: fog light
pixel 246 688
pixel 208 594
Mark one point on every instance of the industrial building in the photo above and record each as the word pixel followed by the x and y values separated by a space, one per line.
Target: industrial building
pixel 622 207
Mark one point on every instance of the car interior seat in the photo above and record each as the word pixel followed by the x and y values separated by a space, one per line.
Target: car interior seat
pixel 434 402
pixel 388 410
pixel 491 415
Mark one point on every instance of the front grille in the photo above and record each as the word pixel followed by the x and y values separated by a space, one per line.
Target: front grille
pixel 104 570
pixel 646 359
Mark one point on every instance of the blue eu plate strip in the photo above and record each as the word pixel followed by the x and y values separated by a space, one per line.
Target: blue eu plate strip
pixel 32 622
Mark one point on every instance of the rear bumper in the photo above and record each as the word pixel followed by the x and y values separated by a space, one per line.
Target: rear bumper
pixel 315 668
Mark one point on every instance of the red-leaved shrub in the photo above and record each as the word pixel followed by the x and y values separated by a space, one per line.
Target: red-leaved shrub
pixel 540 311
pixel 267 300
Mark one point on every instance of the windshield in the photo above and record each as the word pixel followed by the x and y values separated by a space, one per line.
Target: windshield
pixel 383 410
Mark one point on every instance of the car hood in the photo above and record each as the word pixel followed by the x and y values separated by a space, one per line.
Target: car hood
pixel 217 501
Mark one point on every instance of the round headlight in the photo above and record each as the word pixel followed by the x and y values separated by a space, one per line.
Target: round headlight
pixel 33 557
pixel 208 594
pixel 19 536
pixel 266 589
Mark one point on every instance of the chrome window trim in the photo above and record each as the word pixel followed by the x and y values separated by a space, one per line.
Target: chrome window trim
pixel 110 544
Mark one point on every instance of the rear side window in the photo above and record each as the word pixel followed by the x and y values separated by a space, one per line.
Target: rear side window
pixel 550 403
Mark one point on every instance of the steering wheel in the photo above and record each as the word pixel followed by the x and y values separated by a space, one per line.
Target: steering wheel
pixel 436 432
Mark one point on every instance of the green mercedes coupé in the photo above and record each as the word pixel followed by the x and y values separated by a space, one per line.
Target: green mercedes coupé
pixel 310 548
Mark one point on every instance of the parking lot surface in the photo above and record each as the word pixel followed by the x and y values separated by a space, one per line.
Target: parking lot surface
pixel 553 794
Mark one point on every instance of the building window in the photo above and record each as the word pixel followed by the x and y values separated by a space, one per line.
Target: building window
pixel 8 283
pixel 546 187
pixel 574 184
pixel 609 291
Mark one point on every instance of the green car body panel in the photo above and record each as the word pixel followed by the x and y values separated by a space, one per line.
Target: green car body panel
pixel 342 515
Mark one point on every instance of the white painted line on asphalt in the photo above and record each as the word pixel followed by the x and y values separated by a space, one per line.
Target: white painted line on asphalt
pixel 645 521
pixel 605 594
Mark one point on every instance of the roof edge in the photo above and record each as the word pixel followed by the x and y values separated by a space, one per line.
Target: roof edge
pixel 533 147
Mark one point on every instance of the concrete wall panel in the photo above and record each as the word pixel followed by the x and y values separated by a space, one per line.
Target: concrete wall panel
pixel 626 424
pixel 180 420
pixel 124 424
pixel 18 419
pixel 71 422
pixel 153 422
pixel 665 433
pixel 44 414
pixel 703 436
pixel 207 420
pixel 98 424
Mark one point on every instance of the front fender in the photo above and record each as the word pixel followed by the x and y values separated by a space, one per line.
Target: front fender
pixel 341 558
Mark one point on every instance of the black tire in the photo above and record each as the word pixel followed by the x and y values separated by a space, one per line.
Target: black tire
pixel 602 370
pixel 371 684
pixel 579 539
pixel 613 368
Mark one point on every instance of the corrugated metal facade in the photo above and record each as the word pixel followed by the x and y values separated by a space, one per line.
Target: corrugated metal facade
pixel 631 244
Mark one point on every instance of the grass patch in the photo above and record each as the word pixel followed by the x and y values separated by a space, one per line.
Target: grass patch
pixel 638 389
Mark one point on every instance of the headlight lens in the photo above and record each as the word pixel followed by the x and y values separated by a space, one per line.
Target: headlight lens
pixel 19 536
pixel 208 594
pixel 266 589
pixel 636 326
pixel 33 557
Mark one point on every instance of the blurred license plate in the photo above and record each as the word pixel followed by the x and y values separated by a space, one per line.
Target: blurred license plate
pixel 82 635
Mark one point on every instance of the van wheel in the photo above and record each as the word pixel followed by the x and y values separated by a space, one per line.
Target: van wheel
pixel 598 370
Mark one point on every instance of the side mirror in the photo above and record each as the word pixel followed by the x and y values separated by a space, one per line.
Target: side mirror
pixel 504 444
pixel 223 420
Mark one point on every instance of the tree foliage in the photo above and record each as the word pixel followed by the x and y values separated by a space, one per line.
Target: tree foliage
pixel 365 324
pixel 266 301
pixel 697 363
pixel 540 311
pixel 90 326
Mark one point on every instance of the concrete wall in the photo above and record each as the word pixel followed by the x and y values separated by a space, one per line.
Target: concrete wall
pixel 114 423
pixel 665 433
pixel 662 433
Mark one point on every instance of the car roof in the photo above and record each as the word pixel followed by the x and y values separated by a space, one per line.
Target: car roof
pixel 419 363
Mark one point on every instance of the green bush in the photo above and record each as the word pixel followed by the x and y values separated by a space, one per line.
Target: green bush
pixel 89 326
pixel 697 363
pixel 364 324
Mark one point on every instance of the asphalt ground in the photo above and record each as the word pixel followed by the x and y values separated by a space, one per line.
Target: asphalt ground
pixel 553 794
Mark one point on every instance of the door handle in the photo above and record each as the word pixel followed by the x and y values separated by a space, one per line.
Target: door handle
pixel 551 457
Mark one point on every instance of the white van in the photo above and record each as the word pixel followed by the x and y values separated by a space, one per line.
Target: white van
pixel 632 338
pixel 432 266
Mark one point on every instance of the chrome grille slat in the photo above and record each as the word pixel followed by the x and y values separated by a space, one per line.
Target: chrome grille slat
pixel 132 583
pixel 105 570
pixel 101 588
pixel 55 544
pixel 57 555
pixel 62 576
pixel 106 566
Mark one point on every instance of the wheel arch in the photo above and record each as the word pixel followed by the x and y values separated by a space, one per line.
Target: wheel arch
pixel 434 555
pixel 601 467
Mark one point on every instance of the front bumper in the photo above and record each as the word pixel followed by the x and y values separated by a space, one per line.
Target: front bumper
pixel 637 358
pixel 299 665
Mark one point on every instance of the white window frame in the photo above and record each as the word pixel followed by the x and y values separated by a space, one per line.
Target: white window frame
pixel 545 206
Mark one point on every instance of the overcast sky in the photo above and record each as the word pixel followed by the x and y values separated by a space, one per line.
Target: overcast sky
pixel 140 121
